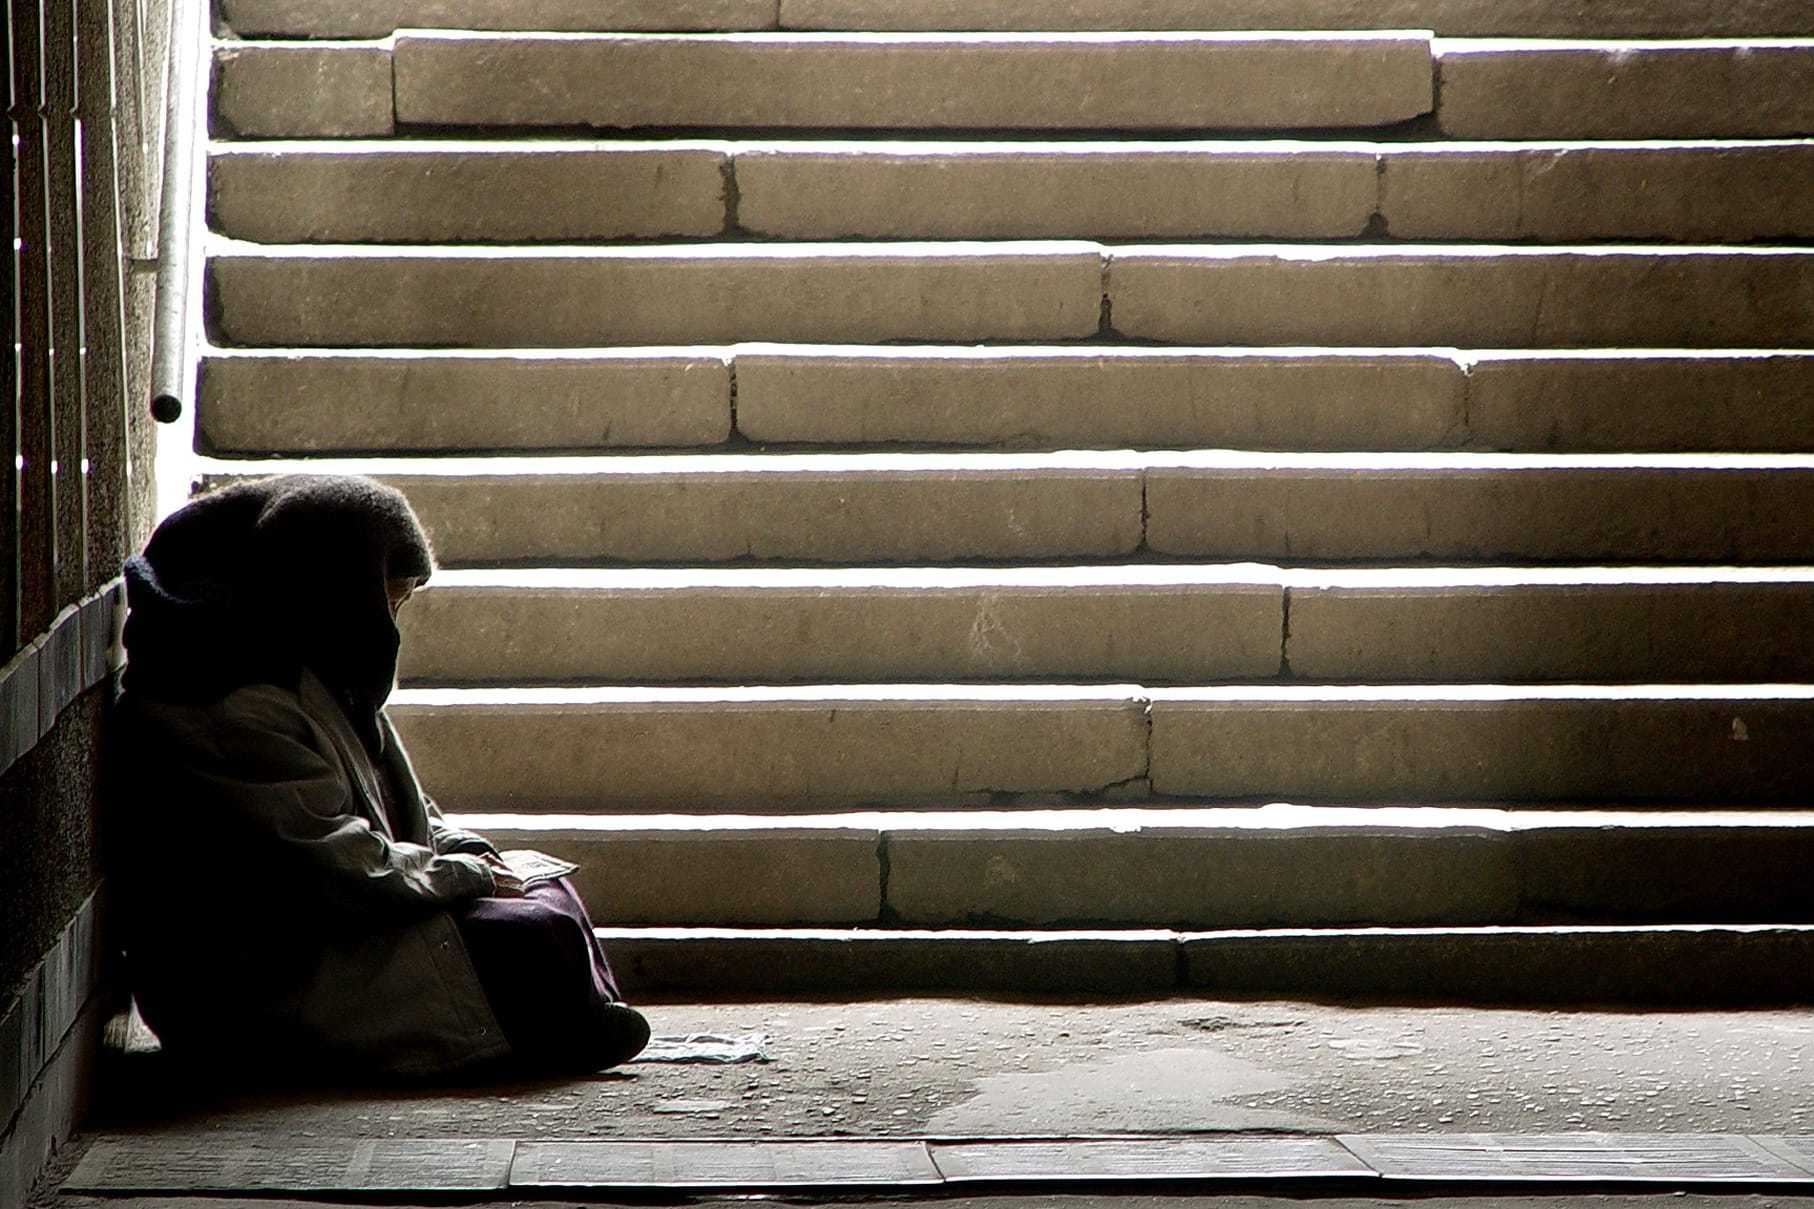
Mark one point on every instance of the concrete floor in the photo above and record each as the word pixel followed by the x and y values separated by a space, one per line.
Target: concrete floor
pixel 964 1067
pixel 968 1067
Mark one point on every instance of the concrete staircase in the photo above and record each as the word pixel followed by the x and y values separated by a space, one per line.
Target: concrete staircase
pixel 1062 507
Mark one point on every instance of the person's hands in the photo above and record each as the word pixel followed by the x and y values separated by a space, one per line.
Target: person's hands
pixel 508 884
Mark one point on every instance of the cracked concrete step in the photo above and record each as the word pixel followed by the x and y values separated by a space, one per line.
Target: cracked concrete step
pixel 1466 296
pixel 441 191
pixel 1485 743
pixel 1210 505
pixel 778 749
pixel 1276 866
pixel 659 750
pixel 1462 296
pixel 1515 89
pixel 1526 18
pixel 557 297
pixel 1116 81
pixel 1567 965
pixel 453 401
pixel 1151 624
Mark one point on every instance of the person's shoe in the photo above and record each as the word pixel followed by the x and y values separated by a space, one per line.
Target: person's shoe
pixel 623 1033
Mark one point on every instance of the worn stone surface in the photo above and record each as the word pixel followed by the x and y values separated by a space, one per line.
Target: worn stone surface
pixel 1469 297
pixel 1172 82
pixel 760 752
pixel 449 403
pixel 1706 874
pixel 303 90
pixel 1680 194
pixel 1583 514
pixel 1085 191
pixel 1494 90
pixel 1100 398
pixel 833 633
pixel 373 19
pixel 1660 402
pixel 1581 633
pixel 1336 745
pixel 1526 18
pixel 881 516
pixel 658 295
pixel 1536 967
pixel 429 193
pixel 764 877
pixel 923 1066
pixel 865 963
pixel 1165 877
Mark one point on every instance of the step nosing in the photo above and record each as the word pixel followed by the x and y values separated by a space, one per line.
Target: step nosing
pixel 531 467
pixel 1095 577
pixel 809 147
pixel 884 696
pixel 1269 821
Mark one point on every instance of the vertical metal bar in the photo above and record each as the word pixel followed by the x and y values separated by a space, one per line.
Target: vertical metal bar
pixel 103 306
pixel 69 446
pixel 37 490
pixel 172 368
pixel 10 537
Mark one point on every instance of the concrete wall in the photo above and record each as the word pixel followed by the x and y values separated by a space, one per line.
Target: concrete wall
pixel 77 457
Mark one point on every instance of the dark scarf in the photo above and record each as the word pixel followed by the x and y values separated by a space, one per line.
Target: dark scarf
pixel 255 582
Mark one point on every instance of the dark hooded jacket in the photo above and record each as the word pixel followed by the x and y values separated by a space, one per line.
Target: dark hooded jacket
pixel 288 882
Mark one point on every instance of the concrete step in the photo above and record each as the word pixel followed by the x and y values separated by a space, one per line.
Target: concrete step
pixel 782 627
pixel 1211 505
pixel 1276 866
pixel 559 297
pixel 1490 88
pixel 1682 965
pixel 1115 81
pixel 1074 81
pixel 1485 743
pixel 659 750
pixel 364 19
pixel 779 749
pixel 459 401
pixel 352 401
pixel 1478 507
pixel 1469 296
pixel 1514 89
pixel 1151 624
pixel 441 191
pixel 1528 18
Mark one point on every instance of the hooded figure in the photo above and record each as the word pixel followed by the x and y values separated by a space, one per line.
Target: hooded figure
pixel 296 904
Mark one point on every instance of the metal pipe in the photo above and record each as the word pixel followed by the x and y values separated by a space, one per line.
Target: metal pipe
pixel 170 382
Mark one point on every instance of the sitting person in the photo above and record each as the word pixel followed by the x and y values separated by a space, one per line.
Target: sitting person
pixel 295 903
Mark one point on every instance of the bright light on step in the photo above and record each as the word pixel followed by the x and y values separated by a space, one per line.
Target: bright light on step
pixel 1279 818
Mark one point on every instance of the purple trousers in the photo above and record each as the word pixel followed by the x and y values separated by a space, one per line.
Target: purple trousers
pixel 545 974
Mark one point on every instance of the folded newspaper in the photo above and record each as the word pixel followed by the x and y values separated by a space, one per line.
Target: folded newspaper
pixel 532 866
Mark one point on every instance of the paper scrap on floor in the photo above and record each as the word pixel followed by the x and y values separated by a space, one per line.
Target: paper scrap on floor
pixel 707 1047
